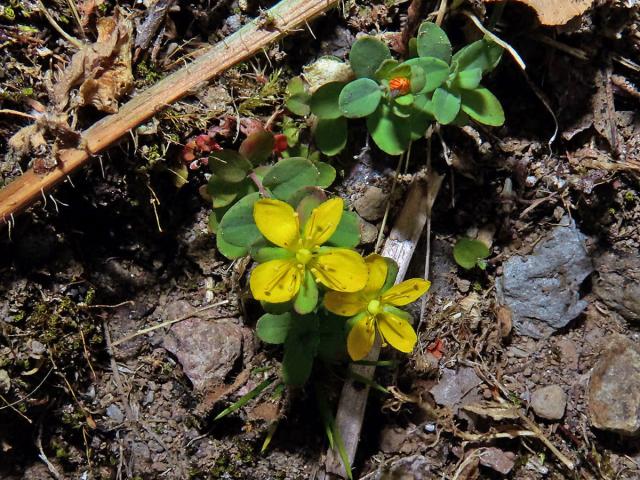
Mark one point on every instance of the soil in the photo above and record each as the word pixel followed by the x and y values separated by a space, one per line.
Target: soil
pixel 122 246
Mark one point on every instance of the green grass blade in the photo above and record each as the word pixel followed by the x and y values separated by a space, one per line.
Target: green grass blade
pixel 245 399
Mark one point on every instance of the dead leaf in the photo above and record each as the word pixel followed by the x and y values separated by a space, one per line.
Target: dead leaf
pixel 555 12
pixel 87 9
pixel 102 69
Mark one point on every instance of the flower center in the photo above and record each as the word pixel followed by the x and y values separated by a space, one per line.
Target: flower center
pixel 399 85
pixel 374 307
pixel 303 256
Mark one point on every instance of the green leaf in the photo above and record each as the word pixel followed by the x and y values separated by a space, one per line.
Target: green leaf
pixel 276 308
pixel 332 346
pixel 300 349
pixel 436 71
pixel 483 54
pixel 359 98
pixel 331 135
pixel 222 193
pixel 386 67
pixel 366 56
pixel 467 252
pixel 446 105
pixel 257 147
pixel 327 174
pixel 417 78
pixel 347 235
pixel 245 399
pixel 324 101
pixel 273 328
pixel 467 79
pixel 482 105
pixel 290 174
pixel 392 274
pixel 432 41
pixel 229 166
pixel 404 100
pixel 307 297
pixel 237 226
pixel 421 116
pixel 391 134
pixel 214 221
pixel 297 97
pixel 228 249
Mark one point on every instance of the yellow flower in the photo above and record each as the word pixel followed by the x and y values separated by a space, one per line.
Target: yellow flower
pixel 301 258
pixel 373 309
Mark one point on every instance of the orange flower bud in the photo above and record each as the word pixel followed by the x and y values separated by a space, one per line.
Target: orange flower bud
pixel 399 85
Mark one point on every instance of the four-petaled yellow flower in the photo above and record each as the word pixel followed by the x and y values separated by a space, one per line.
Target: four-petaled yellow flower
pixel 373 309
pixel 301 258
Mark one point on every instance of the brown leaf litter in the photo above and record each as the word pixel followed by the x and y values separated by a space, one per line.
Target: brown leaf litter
pixel 102 70
pixel 556 12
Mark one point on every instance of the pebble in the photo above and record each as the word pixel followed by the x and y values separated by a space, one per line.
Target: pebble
pixel 371 204
pixel 549 402
pixel 115 414
pixel 614 388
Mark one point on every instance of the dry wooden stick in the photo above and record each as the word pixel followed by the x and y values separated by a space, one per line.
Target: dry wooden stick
pixel 399 246
pixel 250 39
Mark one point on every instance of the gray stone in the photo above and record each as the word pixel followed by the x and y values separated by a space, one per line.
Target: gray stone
pixel 415 467
pixel 614 388
pixel 498 460
pixel 549 402
pixel 371 205
pixel 617 283
pixel 456 388
pixel 115 414
pixel 207 350
pixel 543 289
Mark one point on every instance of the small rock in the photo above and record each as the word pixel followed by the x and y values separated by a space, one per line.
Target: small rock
pixel 115 414
pixel 463 285
pixel 568 353
pixel 415 467
pixel 206 350
pixel 5 381
pixel 371 204
pixel 368 232
pixel 543 289
pixel 456 388
pixel 549 402
pixel 498 460
pixel 617 283
pixel 391 439
pixel 614 388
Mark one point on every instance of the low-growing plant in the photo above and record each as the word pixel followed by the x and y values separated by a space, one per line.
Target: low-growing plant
pixel 400 99
pixel 470 253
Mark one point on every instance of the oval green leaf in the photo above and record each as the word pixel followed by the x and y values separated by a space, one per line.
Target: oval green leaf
pixel 331 135
pixel 257 147
pixel 483 54
pixel 290 174
pixel 366 56
pixel 436 71
pixel 467 79
pixel 273 328
pixel 359 98
pixel 229 165
pixel 307 297
pixel 324 101
pixel 432 41
pixel 467 252
pixel 483 106
pixel 237 226
pixel 390 133
pixel 347 235
pixel 446 105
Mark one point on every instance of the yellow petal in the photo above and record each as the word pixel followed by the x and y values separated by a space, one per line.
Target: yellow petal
pixel 360 339
pixel 340 269
pixel 276 281
pixel 345 304
pixel 397 332
pixel 378 268
pixel 406 292
pixel 322 222
pixel 277 221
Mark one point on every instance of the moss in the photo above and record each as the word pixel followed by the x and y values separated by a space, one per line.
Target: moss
pixel 146 74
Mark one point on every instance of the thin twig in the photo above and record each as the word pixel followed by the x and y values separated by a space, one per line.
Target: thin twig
pixel 43 457
pixel 74 41
pixel 388 207
pixel 76 16
pixel 6 111
pixel 169 322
